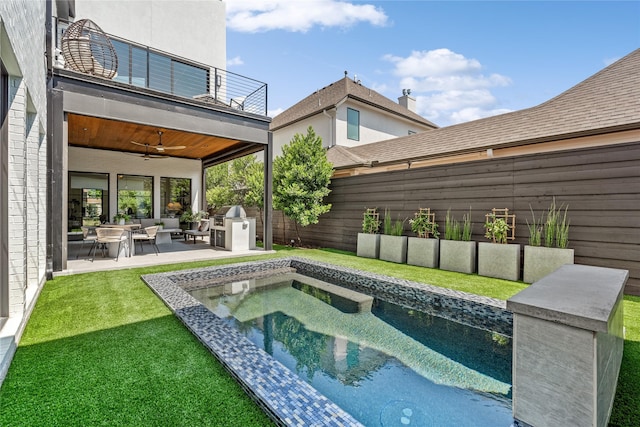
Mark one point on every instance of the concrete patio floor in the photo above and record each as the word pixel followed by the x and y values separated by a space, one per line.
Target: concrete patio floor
pixel 170 253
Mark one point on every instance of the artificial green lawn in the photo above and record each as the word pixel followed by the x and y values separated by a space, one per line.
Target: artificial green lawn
pixel 100 348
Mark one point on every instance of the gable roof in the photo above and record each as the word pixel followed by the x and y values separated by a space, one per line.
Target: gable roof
pixel 606 102
pixel 330 96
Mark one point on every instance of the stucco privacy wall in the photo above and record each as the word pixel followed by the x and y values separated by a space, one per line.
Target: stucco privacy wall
pixel 600 185
pixel 154 23
pixel 22 54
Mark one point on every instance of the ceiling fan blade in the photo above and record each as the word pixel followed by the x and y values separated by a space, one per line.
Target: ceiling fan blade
pixel 140 144
pixel 177 147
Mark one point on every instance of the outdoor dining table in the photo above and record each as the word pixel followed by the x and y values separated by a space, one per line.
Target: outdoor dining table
pixel 129 229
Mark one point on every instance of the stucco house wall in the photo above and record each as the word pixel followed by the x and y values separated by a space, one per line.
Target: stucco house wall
pixel 24 155
pixel 322 126
pixel 375 125
pixel 154 23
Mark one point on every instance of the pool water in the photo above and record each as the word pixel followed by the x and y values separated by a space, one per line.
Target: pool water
pixel 384 364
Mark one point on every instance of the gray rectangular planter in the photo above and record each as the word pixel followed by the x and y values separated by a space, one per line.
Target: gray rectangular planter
pixel 540 261
pixel 456 255
pixel 368 245
pixel 498 260
pixel 423 252
pixel 393 248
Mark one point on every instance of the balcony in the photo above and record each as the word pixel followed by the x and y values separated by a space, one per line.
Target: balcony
pixel 142 67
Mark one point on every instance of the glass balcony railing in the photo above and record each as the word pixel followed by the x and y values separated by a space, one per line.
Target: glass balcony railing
pixel 145 67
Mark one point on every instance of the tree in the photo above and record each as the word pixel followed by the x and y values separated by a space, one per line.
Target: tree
pixel 254 181
pixel 301 178
pixel 227 183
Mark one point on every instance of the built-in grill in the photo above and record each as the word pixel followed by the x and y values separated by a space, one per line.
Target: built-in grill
pixel 232 230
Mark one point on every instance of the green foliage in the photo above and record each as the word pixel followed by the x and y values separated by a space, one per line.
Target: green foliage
pixel 453 230
pixel 392 228
pixel 497 229
pixel 301 178
pixel 192 216
pixel 423 227
pixel 370 221
pixel 556 226
pixel 117 217
pixel 467 227
pixel 254 183
pixel 535 229
pixel 230 183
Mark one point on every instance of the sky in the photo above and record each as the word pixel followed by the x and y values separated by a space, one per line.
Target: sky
pixel 462 60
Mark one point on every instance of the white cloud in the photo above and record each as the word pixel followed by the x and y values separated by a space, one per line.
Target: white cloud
pixel 273 113
pixel 448 87
pixel 253 16
pixel 234 61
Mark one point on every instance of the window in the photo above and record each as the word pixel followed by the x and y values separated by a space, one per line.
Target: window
pixel 135 196
pixel 142 67
pixel 353 124
pixel 88 199
pixel 175 196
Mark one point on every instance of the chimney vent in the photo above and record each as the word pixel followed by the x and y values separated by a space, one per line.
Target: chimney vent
pixel 407 101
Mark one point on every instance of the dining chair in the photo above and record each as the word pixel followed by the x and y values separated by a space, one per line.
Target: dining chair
pixel 149 235
pixel 88 235
pixel 107 236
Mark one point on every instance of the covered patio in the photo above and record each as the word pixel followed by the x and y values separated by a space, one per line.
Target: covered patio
pixel 110 140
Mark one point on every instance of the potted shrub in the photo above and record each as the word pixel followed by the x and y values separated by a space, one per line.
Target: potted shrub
pixel 192 218
pixel 554 230
pixel 160 225
pixel 393 245
pixel 368 245
pixel 497 258
pixel 121 218
pixel 457 251
pixel 423 250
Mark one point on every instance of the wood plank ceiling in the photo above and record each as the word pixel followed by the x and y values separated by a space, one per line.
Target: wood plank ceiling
pixel 103 134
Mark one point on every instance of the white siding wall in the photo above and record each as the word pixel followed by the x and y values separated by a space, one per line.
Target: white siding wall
pixel 321 124
pixel 192 29
pixel 114 163
pixel 375 125
pixel 22 40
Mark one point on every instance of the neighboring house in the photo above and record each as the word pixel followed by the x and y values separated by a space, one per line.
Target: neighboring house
pixel 348 114
pixel 602 110
pixel 81 143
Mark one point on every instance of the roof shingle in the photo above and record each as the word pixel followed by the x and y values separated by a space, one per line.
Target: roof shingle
pixel 329 96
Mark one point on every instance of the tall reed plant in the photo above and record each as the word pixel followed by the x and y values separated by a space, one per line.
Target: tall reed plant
pixel 392 228
pixel 453 230
pixel 535 229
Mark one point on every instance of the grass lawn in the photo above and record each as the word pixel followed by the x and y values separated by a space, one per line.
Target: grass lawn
pixel 100 348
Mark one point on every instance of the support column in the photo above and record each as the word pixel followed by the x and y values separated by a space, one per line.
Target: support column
pixel 267 237
pixel 567 347
pixel 57 180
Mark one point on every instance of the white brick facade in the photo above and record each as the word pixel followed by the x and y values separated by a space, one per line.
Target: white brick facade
pixel 22 33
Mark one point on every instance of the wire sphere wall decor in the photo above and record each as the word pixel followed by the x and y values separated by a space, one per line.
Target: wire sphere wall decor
pixel 87 49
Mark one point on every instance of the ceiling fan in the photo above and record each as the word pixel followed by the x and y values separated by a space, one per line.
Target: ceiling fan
pixel 160 148
pixel 146 154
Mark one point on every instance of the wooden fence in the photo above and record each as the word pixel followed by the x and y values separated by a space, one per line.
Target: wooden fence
pixel 601 187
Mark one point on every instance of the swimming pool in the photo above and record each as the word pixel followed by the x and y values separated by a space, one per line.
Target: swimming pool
pixel 432 384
